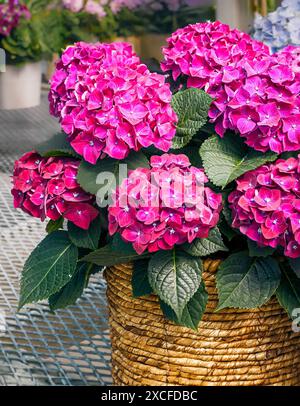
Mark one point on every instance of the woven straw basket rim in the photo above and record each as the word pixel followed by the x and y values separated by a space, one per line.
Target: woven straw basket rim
pixel 231 347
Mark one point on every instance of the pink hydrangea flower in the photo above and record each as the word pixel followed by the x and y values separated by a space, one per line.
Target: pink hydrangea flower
pixel 166 205
pixel 266 205
pixel 291 55
pixel 109 103
pixel 202 51
pixel 47 187
pixel 255 94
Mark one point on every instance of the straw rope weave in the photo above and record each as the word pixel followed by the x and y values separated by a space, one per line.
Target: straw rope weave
pixel 231 347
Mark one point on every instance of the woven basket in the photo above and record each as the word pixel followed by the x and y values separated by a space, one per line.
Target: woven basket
pixel 231 347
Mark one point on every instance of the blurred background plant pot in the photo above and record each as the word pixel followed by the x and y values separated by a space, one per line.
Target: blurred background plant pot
pixel 152 44
pixel 20 86
pixel 50 67
pixel 232 347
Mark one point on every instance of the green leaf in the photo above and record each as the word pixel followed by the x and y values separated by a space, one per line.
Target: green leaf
pixel 85 238
pixel 88 174
pixel 225 225
pixel 116 252
pixel 54 225
pixel 226 230
pixel 295 265
pixel 118 244
pixel 178 142
pixel 225 159
pixel 288 292
pixel 257 251
pixel 69 293
pixel 140 282
pixel 246 282
pixel 201 247
pixel 174 277
pixel 227 212
pixel 289 154
pixel 106 256
pixel 49 267
pixel 193 311
pixel 191 107
pixel 56 146
pixel 192 154
pixel 90 179
pixel 168 312
pixel 136 160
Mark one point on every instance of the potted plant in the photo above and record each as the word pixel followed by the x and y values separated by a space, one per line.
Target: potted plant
pixel 200 239
pixel 23 44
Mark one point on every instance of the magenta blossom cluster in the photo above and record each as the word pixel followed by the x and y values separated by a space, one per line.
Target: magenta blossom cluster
pixel 201 51
pixel 260 100
pixel 266 205
pixel 255 94
pixel 47 187
pixel 291 56
pixel 166 205
pixel 10 14
pixel 109 103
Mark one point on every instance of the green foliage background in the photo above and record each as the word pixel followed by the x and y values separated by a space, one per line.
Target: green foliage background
pixel 27 42
pixel 51 29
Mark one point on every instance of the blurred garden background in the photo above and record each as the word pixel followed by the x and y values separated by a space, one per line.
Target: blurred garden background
pixel 34 32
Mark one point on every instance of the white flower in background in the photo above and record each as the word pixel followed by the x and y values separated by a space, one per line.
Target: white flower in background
pixel 74 5
pixel 94 7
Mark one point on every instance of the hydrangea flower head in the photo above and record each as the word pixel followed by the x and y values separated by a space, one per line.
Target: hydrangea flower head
pixel 256 95
pixel 201 51
pixel 266 205
pixel 109 103
pixel 47 187
pixel 263 104
pixel 10 14
pixel 166 205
